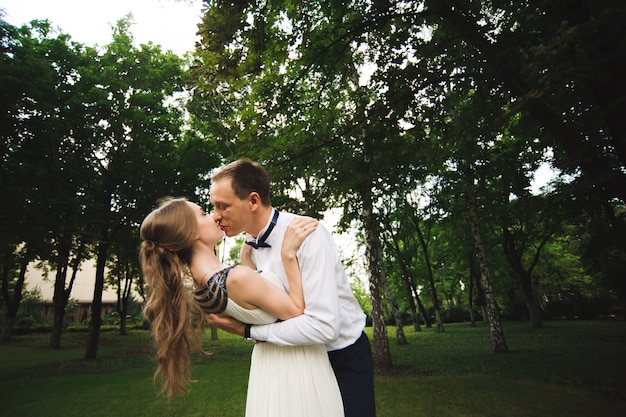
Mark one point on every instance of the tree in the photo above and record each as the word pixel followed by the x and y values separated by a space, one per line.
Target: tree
pixel 93 140
pixel 42 167
pixel 530 233
pixel 429 270
pixel 12 299
pixel 396 253
pixel 575 20
pixel 493 313
pixel 124 273
pixel 349 103
pixel 139 152
pixel 216 74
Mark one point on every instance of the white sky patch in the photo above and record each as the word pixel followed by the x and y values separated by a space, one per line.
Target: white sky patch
pixel 542 178
pixel 169 23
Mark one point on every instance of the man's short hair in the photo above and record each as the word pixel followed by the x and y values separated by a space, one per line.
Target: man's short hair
pixel 246 177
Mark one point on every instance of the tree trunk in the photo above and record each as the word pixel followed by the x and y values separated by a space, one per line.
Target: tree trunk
pixel 12 302
pixel 96 305
pixel 431 278
pixel 400 337
pixel 422 309
pixel 515 261
pixel 412 307
pixel 408 286
pixel 123 313
pixel 480 295
pixel 382 355
pixel 124 292
pixel 59 300
pixel 497 335
pixel 58 312
pixel 7 329
pixel 470 292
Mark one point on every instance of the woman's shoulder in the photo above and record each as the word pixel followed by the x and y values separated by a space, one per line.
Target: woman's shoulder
pixel 243 272
pixel 222 273
pixel 210 279
pixel 238 271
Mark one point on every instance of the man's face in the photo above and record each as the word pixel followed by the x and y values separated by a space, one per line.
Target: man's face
pixel 232 213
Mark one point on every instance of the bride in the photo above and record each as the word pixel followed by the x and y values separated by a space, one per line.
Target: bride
pixel 284 381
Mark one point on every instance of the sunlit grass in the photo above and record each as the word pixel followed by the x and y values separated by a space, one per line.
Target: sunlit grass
pixel 565 369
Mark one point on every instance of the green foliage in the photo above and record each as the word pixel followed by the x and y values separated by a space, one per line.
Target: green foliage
pixel 449 87
pixel 359 289
pixel 92 138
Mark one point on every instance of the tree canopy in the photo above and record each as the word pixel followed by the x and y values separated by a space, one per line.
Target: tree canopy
pixel 92 139
pixel 367 104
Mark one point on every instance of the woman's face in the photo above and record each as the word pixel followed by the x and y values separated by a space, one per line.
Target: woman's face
pixel 209 231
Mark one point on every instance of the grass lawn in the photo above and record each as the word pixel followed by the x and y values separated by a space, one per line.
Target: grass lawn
pixel 568 368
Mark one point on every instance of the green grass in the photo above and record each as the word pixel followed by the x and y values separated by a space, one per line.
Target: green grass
pixel 568 368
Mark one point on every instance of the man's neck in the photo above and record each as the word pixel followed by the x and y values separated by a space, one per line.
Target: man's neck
pixel 262 218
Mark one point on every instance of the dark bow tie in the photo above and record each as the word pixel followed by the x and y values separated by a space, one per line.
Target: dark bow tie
pixel 256 245
pixel 261 243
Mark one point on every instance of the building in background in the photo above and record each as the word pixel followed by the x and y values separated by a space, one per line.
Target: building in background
pixel 82 290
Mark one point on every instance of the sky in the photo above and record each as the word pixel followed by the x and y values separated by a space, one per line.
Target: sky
pixel 169 23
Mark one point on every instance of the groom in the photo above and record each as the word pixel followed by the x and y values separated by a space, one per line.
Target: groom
pixel 240 195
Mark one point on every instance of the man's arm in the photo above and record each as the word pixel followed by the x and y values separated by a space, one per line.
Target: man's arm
pixel 320 324
pixel 228 324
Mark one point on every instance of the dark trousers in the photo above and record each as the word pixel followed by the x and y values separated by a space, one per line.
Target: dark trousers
pixel 354 369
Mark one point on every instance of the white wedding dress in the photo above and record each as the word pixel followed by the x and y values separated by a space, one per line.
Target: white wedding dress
pixel 287 381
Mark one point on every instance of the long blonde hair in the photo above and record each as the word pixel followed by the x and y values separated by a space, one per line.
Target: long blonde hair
pixel 165 253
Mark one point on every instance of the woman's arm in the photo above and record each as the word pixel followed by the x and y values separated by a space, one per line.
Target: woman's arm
pixel 295 234
pixel 248 289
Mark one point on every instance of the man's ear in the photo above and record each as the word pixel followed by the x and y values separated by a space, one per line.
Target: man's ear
pixel 255 200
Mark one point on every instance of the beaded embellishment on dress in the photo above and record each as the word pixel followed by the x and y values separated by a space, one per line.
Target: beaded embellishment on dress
pixel 213 297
